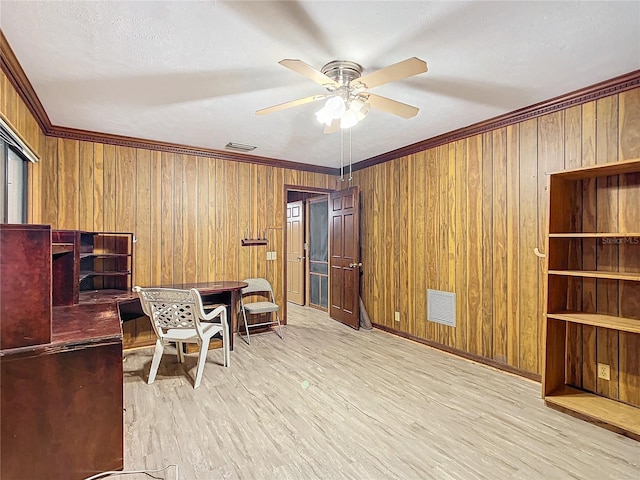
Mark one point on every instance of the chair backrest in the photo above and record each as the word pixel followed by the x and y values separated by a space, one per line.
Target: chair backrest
pixel 171 308
pixel 258 285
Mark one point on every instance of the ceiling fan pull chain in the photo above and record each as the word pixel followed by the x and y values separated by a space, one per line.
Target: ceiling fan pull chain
pixel 350 158
pixel 341 155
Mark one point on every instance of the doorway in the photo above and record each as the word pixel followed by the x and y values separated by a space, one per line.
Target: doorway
pixel 307 248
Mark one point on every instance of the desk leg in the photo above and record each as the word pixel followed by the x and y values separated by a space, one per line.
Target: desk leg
pixel 233 321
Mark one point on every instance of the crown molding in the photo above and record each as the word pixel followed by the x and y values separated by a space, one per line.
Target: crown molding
pixel 609 87
pixel 21 83
pixel 123 141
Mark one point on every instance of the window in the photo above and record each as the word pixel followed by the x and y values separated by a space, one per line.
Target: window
pixel 14 155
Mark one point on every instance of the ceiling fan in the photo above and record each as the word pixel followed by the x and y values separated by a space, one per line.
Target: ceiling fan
pixel 348 98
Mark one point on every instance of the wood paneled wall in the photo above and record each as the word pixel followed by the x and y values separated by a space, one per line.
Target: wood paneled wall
pixel 465 217
pixel 188 213
pixel 17 114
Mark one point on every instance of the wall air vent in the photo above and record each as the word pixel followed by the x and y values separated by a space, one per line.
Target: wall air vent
pixel 239 147
pixel 441 307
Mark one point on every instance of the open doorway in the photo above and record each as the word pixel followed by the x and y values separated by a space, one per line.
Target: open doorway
pixel 307 247
pixel 343 266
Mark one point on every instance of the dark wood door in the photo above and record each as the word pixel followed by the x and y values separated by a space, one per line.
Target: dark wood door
pixel 344 263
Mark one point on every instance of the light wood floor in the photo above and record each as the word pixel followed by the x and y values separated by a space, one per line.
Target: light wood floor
pixel 328 402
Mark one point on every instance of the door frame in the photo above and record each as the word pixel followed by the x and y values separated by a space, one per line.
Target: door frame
pixel 294 188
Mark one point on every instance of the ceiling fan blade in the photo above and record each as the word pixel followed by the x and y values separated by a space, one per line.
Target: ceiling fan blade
pixel 391 106
pixel 407 68
pixel 334 127
pixel 308 71
pixel 292 103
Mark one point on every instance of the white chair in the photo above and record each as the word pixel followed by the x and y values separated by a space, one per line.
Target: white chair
pixel 260 287
pixel 176 317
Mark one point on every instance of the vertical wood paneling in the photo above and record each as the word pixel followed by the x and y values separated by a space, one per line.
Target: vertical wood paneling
pixel 178 220
pixel 573 159
pixel 451 183
pixel 443 240
pixel 189 222
pixel 202 219
pixel 607 256
pixel 474 246
pixel 389 233
pixel 231 222
pixel 530 265
pixel 550 159
pixel 433 233
pixel 68 184
pixel 420 250
pixel 405 230
pixel 109 199
pixel 487 245
pixel 49 172
pixel 98 187
pixel 125 189
pixel 461 245
pixel 156 217
pixel 513 245
pixel 588 381
pixel 143 246
pixel 166 209
pixel 244 223
pixel 500 252
pixel 86 187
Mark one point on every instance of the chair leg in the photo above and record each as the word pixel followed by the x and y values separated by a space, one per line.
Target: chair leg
pixel 180 352
pixel 246 327
pixel 202 359
pixel 155 363
pixel 279 326
pixel 225 348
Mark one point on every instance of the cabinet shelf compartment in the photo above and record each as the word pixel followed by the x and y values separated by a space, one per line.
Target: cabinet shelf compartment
pixel 628 276
pixel 594 235
pixel 630 325
pixel 60 248
pixel 106 260
pixel 104 255
pixel 611 414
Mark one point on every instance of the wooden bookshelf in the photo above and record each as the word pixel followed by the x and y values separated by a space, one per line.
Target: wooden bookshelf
pixel 592 315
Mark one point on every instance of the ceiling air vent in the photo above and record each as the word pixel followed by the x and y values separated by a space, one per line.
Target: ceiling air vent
pixel 239 147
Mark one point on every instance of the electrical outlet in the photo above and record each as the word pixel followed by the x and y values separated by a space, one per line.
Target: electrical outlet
pixel 604 371
pixel 397 317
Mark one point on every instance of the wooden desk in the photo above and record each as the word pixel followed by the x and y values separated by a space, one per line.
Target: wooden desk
pixel 223 292
pixel 62 401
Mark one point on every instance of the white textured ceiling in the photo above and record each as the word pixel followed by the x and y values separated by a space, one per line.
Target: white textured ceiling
pixel 194 73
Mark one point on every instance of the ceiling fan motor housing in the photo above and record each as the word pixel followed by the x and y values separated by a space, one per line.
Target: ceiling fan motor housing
pixel 342 71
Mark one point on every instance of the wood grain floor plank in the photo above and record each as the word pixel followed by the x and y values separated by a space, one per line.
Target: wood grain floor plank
pixel 300 408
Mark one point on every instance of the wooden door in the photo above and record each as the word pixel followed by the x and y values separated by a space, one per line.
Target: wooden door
pixel 344 263
pixel 295 253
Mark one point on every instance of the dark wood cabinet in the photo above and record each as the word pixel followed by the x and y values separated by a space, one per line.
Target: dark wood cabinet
pixel 25 285
pixel 61 389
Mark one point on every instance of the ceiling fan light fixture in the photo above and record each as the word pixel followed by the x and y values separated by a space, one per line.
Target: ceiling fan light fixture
pixel 324 117
pixel 335 107
pixel 349 119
